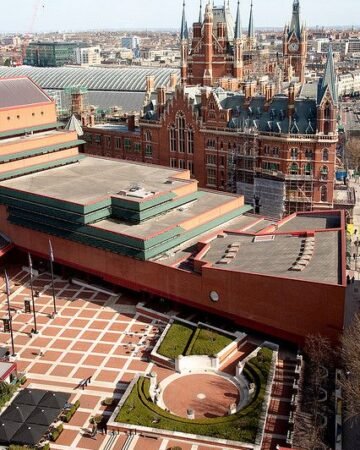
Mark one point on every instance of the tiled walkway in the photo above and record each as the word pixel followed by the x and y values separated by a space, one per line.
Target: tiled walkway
pixel 94 335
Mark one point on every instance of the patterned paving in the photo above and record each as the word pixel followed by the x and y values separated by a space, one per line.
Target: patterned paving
pixel 94 335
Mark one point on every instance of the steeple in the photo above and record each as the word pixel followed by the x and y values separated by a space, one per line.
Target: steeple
pixel 238 23
pixel 200 12
pixel 184 34
pixel 251 23
pixel 295 20
pixel 329 80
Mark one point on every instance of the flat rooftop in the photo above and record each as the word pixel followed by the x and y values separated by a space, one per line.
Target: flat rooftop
pixel 206 202
pixel 93 179
pixel 276 256
pixel 33 137
pixel 305 222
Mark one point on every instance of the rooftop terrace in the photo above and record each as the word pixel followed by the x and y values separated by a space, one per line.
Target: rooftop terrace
pixel 276 256
pixel 93 179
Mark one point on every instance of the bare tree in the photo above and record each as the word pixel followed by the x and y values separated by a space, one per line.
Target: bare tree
pixel 351 360
pixel 352 149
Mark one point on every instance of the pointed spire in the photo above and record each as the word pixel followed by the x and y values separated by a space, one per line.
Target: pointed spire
pixel 330 79
pixel 200 12
pixel 74 125
pixel 184 34
pixel 238 22
pixel 295 20
pixel 251 23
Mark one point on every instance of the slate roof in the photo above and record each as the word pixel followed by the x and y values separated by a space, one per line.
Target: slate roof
pixel 20 92
pixel 256 116
pixel 295 20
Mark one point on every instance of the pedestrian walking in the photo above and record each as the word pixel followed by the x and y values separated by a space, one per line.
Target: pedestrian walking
pixel 41 353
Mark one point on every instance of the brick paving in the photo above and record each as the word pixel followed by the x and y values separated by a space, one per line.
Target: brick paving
pixel 95 335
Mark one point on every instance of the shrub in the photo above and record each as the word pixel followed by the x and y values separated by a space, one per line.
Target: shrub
pixel 139 409
pixel 56 432
pixel 109 401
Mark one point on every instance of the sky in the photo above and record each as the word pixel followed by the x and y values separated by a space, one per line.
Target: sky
pixel 75 15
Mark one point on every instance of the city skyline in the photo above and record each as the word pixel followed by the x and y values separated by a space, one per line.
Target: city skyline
pixel 26 16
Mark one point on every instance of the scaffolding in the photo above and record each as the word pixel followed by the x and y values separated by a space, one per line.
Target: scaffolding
pixel 299 193
pixel 77 100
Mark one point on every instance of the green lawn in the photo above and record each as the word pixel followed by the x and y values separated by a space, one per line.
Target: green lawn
pixel 208 342
pixel 139 409
pixel 176 340
pixel 182 339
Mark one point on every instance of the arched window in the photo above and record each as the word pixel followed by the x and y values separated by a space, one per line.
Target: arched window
pixel 325 155
pixel 190 141
pixel 324 173
pixel 180 125
pixel 294 169
pixel 307 169
pixel 323 194
pixel 172 138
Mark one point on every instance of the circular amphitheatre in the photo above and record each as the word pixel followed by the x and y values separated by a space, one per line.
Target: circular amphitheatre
pixel 208 395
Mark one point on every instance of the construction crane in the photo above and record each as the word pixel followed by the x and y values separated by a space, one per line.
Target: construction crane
pixel 36 8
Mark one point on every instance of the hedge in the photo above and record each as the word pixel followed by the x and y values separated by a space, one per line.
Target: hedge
pixel 242 426
pixel 56 432
pixel 67 415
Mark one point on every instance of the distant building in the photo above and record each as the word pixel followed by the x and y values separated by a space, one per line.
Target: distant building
pixel 132 43
pixel 50 54
pixel 87 56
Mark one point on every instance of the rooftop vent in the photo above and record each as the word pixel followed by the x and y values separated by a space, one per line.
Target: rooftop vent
pixel 267 238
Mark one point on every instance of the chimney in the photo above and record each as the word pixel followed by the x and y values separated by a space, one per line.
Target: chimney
pixel 291 101
pixel 161 99
pixel 150 83
pixel 91 120
pixel 267 93
pixel 131 122
pixel 247 90
pixel 173 80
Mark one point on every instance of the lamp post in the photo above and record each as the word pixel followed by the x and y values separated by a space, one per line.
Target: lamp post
pixel 51 256
pixel 7 284
pixel 32 293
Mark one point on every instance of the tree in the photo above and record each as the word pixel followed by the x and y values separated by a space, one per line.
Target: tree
pixel 352 150
pixel 351 360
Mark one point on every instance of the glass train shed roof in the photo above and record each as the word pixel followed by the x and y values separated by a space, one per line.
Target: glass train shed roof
pixel 100 79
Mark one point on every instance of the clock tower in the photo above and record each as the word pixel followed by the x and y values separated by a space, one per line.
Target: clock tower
pixel 295 46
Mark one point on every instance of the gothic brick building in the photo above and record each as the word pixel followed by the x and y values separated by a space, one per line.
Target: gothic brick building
pixel 278 150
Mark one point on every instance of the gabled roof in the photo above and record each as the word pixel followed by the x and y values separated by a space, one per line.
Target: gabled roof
pixel 17 92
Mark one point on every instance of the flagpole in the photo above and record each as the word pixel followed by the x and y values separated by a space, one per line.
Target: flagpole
pixel 51 255
pixel 32 293
pixel 7 284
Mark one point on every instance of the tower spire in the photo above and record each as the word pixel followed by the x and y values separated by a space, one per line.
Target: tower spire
pixel 200 12
pixel 330 80
pixel 295 20
pixel 238 22
pixel 184 34
pixel 251 23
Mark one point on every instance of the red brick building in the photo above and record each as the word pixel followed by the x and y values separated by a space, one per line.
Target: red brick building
pixel 279 151
pixel 150 229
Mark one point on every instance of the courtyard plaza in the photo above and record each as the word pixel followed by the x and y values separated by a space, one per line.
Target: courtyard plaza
pixel 101 336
